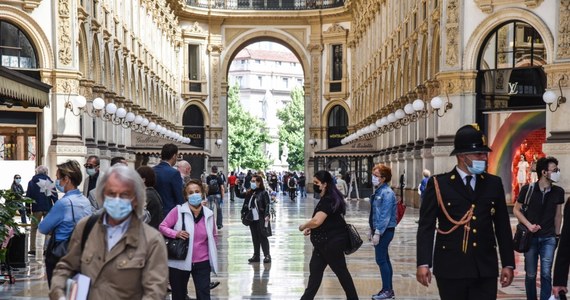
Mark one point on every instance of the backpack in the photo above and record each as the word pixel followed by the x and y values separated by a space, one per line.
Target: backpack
pixel 291 182
pixel 213 185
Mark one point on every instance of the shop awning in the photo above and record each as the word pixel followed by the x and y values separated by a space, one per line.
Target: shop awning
pixel 356 149
pixel 152 145
pixel 19 87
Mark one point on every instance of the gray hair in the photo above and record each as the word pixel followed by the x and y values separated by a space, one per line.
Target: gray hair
pixel 41 169
pixel 127 176
pixel 426 173
pixel 182 163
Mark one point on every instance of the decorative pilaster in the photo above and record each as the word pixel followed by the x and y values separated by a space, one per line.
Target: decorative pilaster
pixel 315 79
pixel 64 52
pixel 452 33
pixel 563 50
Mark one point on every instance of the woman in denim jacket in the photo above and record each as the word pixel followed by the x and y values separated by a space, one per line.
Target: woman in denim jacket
pixel 382 223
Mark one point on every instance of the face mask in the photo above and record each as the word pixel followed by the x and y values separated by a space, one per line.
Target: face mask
pixel 18 181
pixel 317 189
pixel 117 208
pixel 195 199
pixel 477 166
pixel 555 177
pixel 59 187
pixel 253 185
pixel 91 171
pixel 375 181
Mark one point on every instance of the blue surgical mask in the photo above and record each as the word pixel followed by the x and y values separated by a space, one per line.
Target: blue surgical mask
pixel 555 176
pixel 58 186
pixel 375 181
pixel 18 181
pixel 253 185
pixel 90 171
pixel 195 199
pixel 477 166
pixel 117 208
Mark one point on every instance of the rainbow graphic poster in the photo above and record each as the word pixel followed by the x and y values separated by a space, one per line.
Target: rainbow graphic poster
pixel 506 144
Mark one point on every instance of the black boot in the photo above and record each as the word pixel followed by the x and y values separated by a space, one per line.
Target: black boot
pixel 254 259
pixel 267 259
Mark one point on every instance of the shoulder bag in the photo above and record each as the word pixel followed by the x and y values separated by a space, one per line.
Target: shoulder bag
pixel 58 249
pixel 354 239
pixel 523 236
pixel 177 248
pixel 246 213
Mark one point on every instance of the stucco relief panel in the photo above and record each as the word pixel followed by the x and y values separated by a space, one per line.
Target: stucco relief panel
pixel 64 33
pixel 452 32
pixel 564 30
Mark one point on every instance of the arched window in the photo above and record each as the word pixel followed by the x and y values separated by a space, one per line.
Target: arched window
pixel 16 51
pixel 337 126
pixel 193 122
pixel 510 68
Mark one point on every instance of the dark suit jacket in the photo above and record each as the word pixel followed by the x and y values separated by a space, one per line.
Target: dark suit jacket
pixel 489 225
pixel 169 186
pixel 562 262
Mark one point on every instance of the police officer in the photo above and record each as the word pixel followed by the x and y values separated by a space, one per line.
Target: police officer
pixel 469 207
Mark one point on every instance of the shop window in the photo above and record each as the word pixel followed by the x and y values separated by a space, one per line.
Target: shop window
pixel 16 51
pixel 193 122
pixel 337 126
pixel 194 67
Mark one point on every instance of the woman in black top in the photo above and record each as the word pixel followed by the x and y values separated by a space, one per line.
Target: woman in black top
pixel 153 201
pixel 328 234
pixel 257 200
pixel 19 191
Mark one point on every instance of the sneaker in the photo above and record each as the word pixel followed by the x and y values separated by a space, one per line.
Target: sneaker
pixel 267 259
pixel 384 295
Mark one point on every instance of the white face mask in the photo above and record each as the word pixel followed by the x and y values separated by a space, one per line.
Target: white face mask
pixel 375 181
pixel 555 176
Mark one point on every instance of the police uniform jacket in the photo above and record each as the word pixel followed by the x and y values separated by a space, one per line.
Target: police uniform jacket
pixel 470 251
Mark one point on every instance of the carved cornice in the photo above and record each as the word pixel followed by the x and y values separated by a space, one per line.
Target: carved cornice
pixel 487 6
pixel 457 82
pixel 555 72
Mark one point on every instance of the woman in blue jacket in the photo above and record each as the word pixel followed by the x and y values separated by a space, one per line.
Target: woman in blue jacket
pixel 382 223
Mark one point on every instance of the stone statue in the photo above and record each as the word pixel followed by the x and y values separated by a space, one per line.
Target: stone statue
pixel 284 153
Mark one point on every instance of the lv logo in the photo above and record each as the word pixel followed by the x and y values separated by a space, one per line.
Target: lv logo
pixel 513 88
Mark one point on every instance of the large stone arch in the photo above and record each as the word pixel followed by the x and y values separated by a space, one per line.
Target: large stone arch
pixel 329 107
pixel 235 44
pixel 35 33
pixel 201 107
pixel 497 18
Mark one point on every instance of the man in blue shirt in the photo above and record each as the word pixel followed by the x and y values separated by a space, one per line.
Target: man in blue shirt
pixel 168 181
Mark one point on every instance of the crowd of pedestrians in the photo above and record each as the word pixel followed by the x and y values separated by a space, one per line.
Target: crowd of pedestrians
pixel 464 225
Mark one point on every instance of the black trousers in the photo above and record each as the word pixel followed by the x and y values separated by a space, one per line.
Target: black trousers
pixel 258 239
pixel 332 255
pixel 200 275
pixel 50 266
pixel 484 288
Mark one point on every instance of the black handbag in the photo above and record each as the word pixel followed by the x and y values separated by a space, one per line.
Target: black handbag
pixel 55 250
pixel 523 236
pixel 354 240
pixel 266 228
pixel 246 216
pixel 177 248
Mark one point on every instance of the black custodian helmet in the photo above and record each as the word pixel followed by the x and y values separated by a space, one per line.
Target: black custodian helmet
pixel 470 139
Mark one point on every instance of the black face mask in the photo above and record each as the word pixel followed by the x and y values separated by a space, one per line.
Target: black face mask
pixel 317 189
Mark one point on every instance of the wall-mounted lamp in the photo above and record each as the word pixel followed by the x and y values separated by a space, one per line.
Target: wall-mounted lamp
pixel 312 143
pixel 549 96
pixel 218 141
pixel 437 103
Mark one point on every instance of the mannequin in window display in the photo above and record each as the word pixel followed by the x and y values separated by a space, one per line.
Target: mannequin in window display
pixel 533 175
pixel 522 171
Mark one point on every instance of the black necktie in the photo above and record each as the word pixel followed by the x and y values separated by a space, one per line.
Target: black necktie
pixel 469 187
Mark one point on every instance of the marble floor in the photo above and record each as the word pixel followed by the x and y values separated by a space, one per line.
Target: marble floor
pixel 286 276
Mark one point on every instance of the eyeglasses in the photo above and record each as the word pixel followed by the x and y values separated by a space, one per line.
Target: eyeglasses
pixel 555 170
pixel 90 166
pixel 18 178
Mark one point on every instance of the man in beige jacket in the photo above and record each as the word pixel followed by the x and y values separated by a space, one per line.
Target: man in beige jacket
pixel 123 257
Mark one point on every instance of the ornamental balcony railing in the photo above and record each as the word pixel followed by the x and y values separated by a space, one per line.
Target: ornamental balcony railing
pixel 266 4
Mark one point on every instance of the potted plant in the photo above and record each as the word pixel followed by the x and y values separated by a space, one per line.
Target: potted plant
pixel 10 204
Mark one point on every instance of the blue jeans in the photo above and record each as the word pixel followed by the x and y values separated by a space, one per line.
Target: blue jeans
pixel 216 201
pixel 302 191
pixel 543 246
pixel 383 259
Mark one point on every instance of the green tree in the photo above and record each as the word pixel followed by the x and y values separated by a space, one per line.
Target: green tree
pixel 292 130
pixel 246 136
